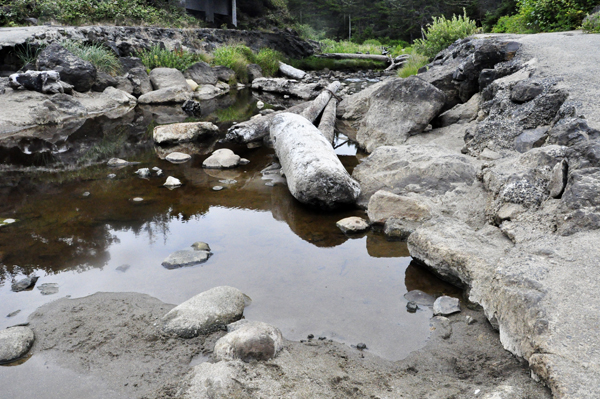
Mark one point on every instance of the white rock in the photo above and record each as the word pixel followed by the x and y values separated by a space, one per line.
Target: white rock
pixel 222 158
pixel 183 132
pixel 250 341
pixel 172 182
pixel 193 85
pixel 352 224
pixel 205 312
pixel 260 104
pixel 178 157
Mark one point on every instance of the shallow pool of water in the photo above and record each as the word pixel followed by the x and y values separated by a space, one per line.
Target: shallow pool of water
pixel 303 274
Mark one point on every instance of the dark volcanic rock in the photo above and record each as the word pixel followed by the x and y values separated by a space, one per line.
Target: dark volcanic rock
pixel 128 63
pixel 73 70
pixel 140 81
pixel 104 80
pixel 47 82
pixel 201 73
pixel 223 73
pixel 254 72
pixel 571 131
pixel 526 90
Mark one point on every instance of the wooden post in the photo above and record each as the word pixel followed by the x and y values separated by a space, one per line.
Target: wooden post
pixel 234 13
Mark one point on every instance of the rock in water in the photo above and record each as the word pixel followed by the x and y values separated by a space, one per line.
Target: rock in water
pixel 48 288
pixel 420 298
pixel 116 162
pixel 185 258
pixel 352 224
pixel 446 305
pixel 25 283
pixel 15 342
pixel 250 341
pixel 314 174
pixel 222 158
pixel 201 246
pixel 205 312
pixel 178 157
pixel 192 107
pixel 183 132
pixel 172 182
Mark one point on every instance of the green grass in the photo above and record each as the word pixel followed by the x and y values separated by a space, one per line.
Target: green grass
pixel 28 53
pixel 315 64
pixel 345 46
pixel 238 56
pixel 412 66
pixel 102 58
pixel 157 57
pixel 268 59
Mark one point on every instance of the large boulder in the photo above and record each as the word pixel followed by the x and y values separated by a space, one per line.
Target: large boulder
pixel 224 74
pixel 205 313
pixel 174 94
pixel 201 73
pixel 15 342
pixel 140 81
pixel 72 69
pixel 314 173
pixel 254 72
pixel 162 78
pixel 183 132
pixel 104 80
pixel 398 109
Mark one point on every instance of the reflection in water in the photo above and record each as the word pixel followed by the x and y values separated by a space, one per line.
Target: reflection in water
pixel 303 274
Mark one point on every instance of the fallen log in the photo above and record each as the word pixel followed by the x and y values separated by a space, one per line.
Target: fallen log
pixel 290 71
pixel 349 56
pixel 314 174
pixel 257 128
pixel 398 62
pixel 327 123
pixel 318 104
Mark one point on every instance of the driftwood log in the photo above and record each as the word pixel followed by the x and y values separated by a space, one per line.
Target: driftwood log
pixel 318 104
pixel 327 123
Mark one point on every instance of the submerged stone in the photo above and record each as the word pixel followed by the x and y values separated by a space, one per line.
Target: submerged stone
pixel 352 224
pixel 24 284
pixel 420 298
pixel 48 288
pixel 185 258
pixel 178 157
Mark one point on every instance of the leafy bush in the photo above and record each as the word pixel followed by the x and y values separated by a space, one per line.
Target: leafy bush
pixel 75 12
pixel 268 59
pixel 412 66
pixel 307 32
pixel 513 24
pixel 103 59
pixel 443 32
pixel 591 23
pixel 506 8
pixel 157 57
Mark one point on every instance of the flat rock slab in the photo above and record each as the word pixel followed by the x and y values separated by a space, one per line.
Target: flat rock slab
pixel 249 341
pixel 352 224
pixel 222 158
pixel 420 298
pixel 183 132
pixel 178 157
pixel 15 342
pixel 48 288
pixel 446 305
pixel 206 312
pixel 185 258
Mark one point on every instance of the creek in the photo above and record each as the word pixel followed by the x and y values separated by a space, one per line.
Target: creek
pixel 79 228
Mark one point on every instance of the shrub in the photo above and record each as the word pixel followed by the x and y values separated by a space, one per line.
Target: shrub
pixel 268 59
pixel 591 23
pixel 412 66
pixel 443 32
pixel 157 57
pixel 103 59
pixel 345 46
pixel 513 24
pixel 234 57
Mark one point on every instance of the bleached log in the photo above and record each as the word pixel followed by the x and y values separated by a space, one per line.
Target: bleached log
pixel 349 56
pixel 290 71
pixel 314 174
pixel 257 128
pixel 327 123
pixel 318 104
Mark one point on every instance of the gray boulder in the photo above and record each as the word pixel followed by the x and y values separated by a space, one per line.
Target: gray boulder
pixel 384 205
pixel 399 109
pixel 47 82
pixel 526 90
pixel 224 74
pixel 175 94
pixel 23 284
pixel 305 91
pixel 183 132
pixel 178 157
pixel 140 81
pixel 201 73
pixel 314 173
pixel 446 305
pixel 73 70
pixel 572 131
pixel 254 72
pixel 560 174
pixel 460 113
pixel 250 341
pixel 580 202
pixel 104 80
pixel 128 63
pixel 162 78
pixel 15 342
pixel 124 84
pixel 206 312
pixel 531 138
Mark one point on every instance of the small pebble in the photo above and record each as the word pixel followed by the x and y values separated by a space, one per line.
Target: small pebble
pixel 260 104
pixel 112 176
pixel 138 199
pixel 244 161
pixel 86 194
pixel 322 338
pixel 361 346
pixel 11 314
pixel 310 336
pixel 411 307
pixel 470 320
pixel 217 188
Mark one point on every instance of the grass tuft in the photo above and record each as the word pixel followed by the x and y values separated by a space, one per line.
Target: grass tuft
pixel 102 58
pixel 412 66
pixel 157 57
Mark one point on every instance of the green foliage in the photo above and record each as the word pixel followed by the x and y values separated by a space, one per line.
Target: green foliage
pixel 307 32
pixel 443 32
pixel 157 57
pixel 591 23
pixel 315 64
pixel 412 66
pixel 545 16
pixel 102 58
pixel 28 53
pixel 345 46
pixel 268 59
pixel 238 56
pixel 79 12
pixel 506 8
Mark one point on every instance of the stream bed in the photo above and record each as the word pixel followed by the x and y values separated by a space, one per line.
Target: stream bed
pixel 80 230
